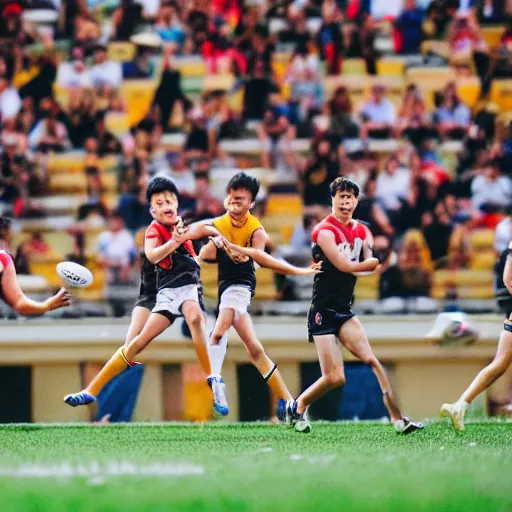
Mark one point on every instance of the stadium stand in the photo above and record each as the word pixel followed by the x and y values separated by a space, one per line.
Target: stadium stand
pixel 413 101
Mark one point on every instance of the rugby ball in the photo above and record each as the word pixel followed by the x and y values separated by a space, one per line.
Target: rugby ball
pixel 75 274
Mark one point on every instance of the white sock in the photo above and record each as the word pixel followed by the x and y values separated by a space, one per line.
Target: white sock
pixel 462 404
pixel 217 354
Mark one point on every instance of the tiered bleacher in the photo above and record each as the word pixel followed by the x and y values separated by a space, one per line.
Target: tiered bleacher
pixel 412 99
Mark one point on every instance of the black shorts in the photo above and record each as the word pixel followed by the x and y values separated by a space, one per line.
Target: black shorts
pixel 326 321
pixel 146 301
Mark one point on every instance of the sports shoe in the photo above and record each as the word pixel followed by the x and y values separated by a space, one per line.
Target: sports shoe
pixel 456 414
pixel 220 400
pixel 406 426
pixel 82 398
pixel 296 419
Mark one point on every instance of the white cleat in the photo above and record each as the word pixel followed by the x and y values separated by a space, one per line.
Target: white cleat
pixel 456 414
pixel 303 425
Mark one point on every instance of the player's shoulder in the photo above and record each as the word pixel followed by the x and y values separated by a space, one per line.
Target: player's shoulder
pixel 221 223
pixel 326 225
pixel 253 223
pixel 153 230
pixel 360 229
pixel 5 258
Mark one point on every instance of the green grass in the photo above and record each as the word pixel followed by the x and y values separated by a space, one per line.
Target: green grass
pixel 341 467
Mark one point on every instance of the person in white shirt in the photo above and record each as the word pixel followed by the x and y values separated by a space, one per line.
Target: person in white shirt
pixel 105 71
pixel 74 73
pixel 378 115
pixel 10 102
pixel 117 252
pixel 491 191
pixel 392 188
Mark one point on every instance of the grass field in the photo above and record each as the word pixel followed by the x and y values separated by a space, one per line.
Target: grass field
pixel 342 467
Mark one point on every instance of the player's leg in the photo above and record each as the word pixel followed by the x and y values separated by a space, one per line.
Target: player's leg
pixel 217 351
pixel 194 317
pixel 156 324
pixel 258 357
pixel 333 375
pixel 139 318
pixel 483 380
pixel 353 336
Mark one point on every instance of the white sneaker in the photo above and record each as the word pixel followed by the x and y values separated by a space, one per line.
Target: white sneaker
pixel 456 414
pixel 220 400
pixel 302 424
pixel 406 426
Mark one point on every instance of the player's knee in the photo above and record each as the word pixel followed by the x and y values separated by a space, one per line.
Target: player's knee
pixel 255 351
pixel 195 319
pixel 335 378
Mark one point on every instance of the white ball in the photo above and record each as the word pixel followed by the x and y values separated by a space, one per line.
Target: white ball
pixel 75 274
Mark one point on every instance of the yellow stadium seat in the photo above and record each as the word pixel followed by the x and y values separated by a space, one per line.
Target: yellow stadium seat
pixel 492 35
pixel 191 68
pixel 475 292
pixel 483 259
pixel 354 67
pixel 62 183
pixel 138 95
pixel 61 95
pixel 117 122
pixel 47 270
pixel 286 233
pixel 390 67
pixel 469 90
pixel 501 94
pixel 60 242
pixel 121 51
pixel 470 278
pixel 209 275
pixel 75 162
pixel 284 204
pixel 266 292
pixel 218 82
pixel 481 239
pixel 265 277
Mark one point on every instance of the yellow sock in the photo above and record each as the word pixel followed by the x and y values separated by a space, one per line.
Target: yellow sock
pixel 276 384
pixel 116 365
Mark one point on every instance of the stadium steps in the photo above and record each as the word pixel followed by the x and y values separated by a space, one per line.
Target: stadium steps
pixel 62 183
pixel 77 161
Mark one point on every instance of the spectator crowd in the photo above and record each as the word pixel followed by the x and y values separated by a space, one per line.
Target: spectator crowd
pixel 61 92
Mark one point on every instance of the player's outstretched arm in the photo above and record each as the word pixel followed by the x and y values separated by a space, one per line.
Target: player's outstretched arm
pixel 21 303
pixel 208 253
pixel 266 260
pixel 340 260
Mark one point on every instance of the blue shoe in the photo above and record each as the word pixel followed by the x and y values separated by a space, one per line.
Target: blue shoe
pixel 220 400
pixel 282 412
pixel 82 398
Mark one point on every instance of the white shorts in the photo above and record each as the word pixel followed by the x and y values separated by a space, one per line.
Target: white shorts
pixel 171 299
pixel 236 297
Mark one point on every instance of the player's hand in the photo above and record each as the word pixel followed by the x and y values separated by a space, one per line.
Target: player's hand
pixel 234 253
pixel 315 268
pixel 218 241
pixel 60 300
pixel 180 232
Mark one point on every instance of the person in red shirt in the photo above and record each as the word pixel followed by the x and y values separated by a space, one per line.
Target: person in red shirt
pixel 345 247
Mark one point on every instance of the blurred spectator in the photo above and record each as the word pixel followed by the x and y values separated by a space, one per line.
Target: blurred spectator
pixel 370 211
pixel 256 94
pixel 10 102
pixel 197 144
pixel 412 276
pixel 12 27
pixel 183 178
pixel 301 236
pixel 409 24
pixel 133 206
pixel 206 204
pixel 330 37
pixel 393 188
pixel 321 169
pixel 125 20
pixel 378 115
pixel 169 25
pixel 116 251
pixel 367 36
pixel 452 118
pixel 412 117
pixel 49 134
pixel 107 142
pixel 437 230
pixel 339 110
pixel 74 73
pixel 142 65
pixel 81 116
pixel 105 71
pixel 275 135
pixel 491 191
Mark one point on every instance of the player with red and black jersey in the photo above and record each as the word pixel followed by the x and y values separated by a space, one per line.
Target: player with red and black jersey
pixel 344 246
pixel 168 246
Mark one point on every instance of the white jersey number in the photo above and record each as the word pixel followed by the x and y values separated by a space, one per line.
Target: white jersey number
pixel 353 253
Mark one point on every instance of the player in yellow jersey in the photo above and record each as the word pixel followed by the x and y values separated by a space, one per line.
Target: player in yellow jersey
pixel 237 284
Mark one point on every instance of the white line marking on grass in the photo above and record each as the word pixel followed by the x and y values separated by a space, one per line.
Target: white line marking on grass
pixel 97 472
pixel 296 456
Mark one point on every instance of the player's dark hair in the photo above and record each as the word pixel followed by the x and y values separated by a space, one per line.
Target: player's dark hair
pixel 343 184
pixel 5 223
pixel 243 180
pixel 160 184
